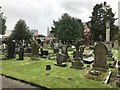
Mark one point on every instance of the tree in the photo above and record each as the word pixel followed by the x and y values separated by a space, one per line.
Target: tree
pixel 101 13
pixel 67 28
pixel 21 32
pixel 2 23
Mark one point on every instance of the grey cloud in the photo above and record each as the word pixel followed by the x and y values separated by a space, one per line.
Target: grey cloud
pixel 77 7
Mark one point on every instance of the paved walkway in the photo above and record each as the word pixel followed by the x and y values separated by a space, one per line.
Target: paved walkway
pixel 10 83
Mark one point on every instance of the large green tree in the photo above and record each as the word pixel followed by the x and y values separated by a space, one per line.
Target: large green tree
pixel 21 32
pixel 2 23
pixel 67 28
pixel 101 13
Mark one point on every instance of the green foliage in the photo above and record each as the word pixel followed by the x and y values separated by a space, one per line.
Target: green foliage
pixel 2 23
pixel 67 28
pixel 101 13
pixel 21 32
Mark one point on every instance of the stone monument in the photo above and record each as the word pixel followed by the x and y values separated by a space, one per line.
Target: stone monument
pixel 21 53
pixel 35 49
pixel 108 43
pixel 100 53
pixel 77 62
pixel 11 49
pixel 64 50
pixel 116 45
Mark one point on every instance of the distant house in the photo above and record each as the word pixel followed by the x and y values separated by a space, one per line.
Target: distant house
pixel 87 33
pixel 6 35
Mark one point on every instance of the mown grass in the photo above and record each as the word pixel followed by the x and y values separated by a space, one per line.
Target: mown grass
pixel 60 77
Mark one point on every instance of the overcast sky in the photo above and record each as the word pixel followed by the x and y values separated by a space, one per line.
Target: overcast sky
pixel 39 14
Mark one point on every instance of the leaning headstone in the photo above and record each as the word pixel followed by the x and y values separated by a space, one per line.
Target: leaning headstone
pixel 116 45
pixel 11 49
pixel 100 53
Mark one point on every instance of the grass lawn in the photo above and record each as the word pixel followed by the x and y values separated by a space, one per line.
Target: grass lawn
pixel 60 77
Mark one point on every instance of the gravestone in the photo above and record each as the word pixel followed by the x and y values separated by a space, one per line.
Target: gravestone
pixel 11 49
pixel 56 47
pixel 61 59
pixel 44 53
pixel 77 62
pixel 116 45
pixel 64 50
pixel 21 53
pixel 100 53
pixel 35 49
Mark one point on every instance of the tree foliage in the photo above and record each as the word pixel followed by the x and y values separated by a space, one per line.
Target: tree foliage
pixel 101 13
pixel 67 28
pixel 21 32
pixel 2 23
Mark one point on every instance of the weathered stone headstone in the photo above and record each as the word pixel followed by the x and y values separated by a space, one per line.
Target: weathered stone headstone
pixel 56 47
pixel 11 49
pixel 64 50
pixel 100 52
pixel 35 49
pixel 77 62
pixel 61 59
pixel 116 45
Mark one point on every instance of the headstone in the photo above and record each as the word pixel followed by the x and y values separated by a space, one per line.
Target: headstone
pixel 61 59
pixel 64 51
pixel 21 53
pixel 44 53
pixel 116 45
pixel 11 49
pixel 100 53
pixel 77 62
pixel 35 49
pixel 56 47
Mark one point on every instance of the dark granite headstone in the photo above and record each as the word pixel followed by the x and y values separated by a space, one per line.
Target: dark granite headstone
pixel 21 53
pixel 11 49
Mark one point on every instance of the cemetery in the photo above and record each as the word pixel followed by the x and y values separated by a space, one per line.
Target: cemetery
pixel 70 59
pixel 61 72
